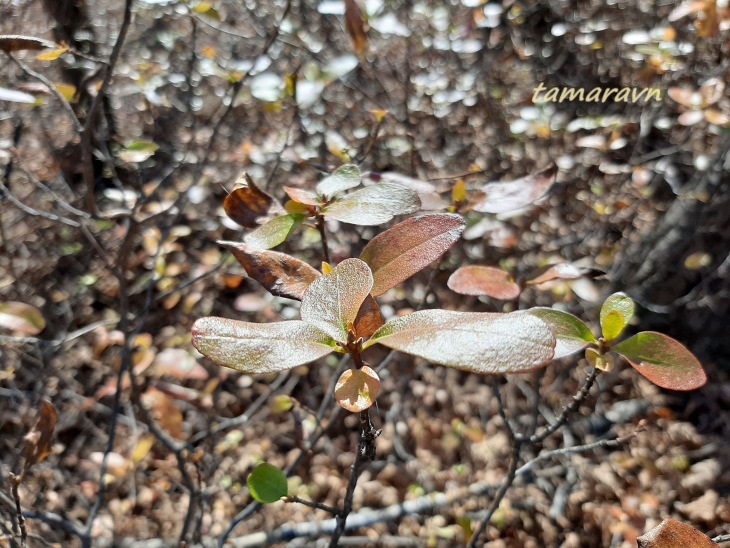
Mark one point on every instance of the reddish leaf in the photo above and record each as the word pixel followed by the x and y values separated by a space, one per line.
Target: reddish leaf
pixel 280 274
pixel 343 178
pixel 260 348
pixel 662 360
pixel 484 280
pixel 478 342
pixel 248 205
pixel 355 26
pixel 15 42
pixel 333 301
pixel 21 318
pixel 500 197
pixel 369 319
pixel 565 271
pixel 38 441
pixel 373 205
pixel 398 253
pixel 303 196
pixel 357 389
pixel 671 533
pixel 275 231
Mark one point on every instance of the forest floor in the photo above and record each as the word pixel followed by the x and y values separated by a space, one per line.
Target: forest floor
pixel 208 84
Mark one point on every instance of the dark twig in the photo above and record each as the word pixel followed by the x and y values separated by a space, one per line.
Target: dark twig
pixel 88 168
pixel 323 236
pixel 315 505
pixel 578 398
pixel 365 453
pixel 14 483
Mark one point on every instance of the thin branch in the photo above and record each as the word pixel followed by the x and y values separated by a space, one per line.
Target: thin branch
pixel 88 168
pixel 14 483
pixel 323 236
pixel 315 505
pixel 578 398
pixel 51 88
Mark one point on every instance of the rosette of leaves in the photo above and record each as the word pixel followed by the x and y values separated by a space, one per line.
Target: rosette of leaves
pixel 372 205
pixel 661 359
pixel 339 314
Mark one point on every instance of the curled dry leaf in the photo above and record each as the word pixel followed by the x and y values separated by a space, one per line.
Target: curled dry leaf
pixel 280 274
pixel 357 389
pixel 14 42
pixel 671 533
pixel 403 250
pixel 260 348
pixel 484 280
pixel 21 318
pixel 333 301
pixel 501 197
pixel 373 205
pixel 356 26
pixel 39 440
pixel 248 205
pixel 565 271
pixel 662 360
pixel 487 343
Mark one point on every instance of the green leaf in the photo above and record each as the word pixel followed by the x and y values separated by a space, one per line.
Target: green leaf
pixel 267 483
pixel 357 389
pixel 403 250
pixel 570 332
pixel 333 301
pixel 612 325
pixel 281 274
pixel 260 348
pixel 281 404
pixel 479 342
pixel 138 151
pixel 501 197
pixel 205 8
pixel 343 178
pixel 373 205
pixel 274 231
pixel 484 280
pixel 21 318
pixel 662 360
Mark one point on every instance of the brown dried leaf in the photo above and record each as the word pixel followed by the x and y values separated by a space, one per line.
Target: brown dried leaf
pixel 501 197
pixel 248 205
pixel 356 26
pixel 484 280
pixel 281 274
pixel 398 253
pixel 357 389
pixel 38 441
pixel 674 534
pixel 369 319
pixel 15 42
